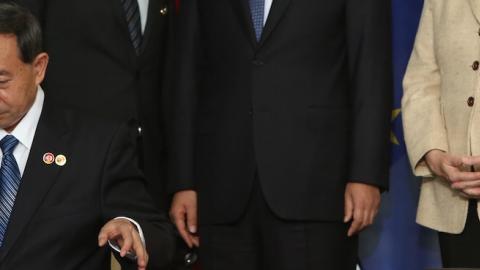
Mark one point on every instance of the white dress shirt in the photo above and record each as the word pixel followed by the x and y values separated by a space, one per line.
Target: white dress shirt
pixel 268 6
pixel 24 133
pixel 143 7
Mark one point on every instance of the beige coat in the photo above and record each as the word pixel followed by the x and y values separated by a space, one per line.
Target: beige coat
pixel 441 103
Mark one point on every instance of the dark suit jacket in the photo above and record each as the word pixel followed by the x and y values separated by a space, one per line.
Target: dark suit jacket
pixel 59 211
pixel 307 107
pixel 93 66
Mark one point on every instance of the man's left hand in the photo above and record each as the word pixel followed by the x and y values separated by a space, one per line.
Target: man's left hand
pixel 126 235
pixel 361 206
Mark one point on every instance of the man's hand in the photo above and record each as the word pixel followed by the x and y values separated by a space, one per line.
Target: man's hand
pixel 183 214
pixel 456 170
pixel 125 234
pixel 361 206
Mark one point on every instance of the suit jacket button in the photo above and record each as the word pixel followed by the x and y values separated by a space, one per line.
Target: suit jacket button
pixel 475 65
pixel 470 101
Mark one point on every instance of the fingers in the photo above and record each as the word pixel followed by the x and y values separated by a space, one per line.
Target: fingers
pixel 140 251
pixel 372 215
pixel 348 215
pixel 192 218
pixel 132 243
pixel 357 223
pixel 455 175
pixel 183 214
pixel 106 233
pixel 362 218
pixel 191 212
pixel 102 238
pixel 361 204
pixel 195 240
pixel 471 193
pixel 466 184
pixel 181 224
pixel 128 239
pixel 471 161
pixel 126 236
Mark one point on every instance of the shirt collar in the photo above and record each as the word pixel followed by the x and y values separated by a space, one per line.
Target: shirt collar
pixel 25 129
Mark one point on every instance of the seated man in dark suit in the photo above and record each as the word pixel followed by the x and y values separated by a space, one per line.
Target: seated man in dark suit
pixel 68 183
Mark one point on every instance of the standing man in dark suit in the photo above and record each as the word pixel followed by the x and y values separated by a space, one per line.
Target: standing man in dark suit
pixel 281 129
pixel 68 182
pixel 109 58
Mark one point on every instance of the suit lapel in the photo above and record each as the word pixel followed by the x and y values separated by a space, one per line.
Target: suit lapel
pixel 276 13
pixel 242 11
pixel 475 7
pixel 38 178
pixel 154 7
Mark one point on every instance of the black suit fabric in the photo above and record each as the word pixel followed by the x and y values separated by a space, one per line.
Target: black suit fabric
pixel 94 68
pixel 307 107
pixel 262 241
pixel 59 210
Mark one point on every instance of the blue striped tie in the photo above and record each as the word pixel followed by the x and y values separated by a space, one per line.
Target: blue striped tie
pixel 9 181
pixel 132 13
pixel 257 9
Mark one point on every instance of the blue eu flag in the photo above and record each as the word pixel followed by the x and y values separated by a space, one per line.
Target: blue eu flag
pixel 395 241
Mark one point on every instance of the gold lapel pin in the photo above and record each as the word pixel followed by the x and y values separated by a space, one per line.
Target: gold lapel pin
pixel 164 11
pixel 48 158
pixel 60 160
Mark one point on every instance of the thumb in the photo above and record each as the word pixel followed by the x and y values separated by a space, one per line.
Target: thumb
pixel 102 238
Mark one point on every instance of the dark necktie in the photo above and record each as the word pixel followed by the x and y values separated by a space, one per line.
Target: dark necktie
pixel 257 9
pixel 132 14
pixel 10 181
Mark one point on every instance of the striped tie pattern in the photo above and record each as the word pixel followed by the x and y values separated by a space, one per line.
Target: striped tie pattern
pixel 132 14
pixel 257 10
pixel 9 182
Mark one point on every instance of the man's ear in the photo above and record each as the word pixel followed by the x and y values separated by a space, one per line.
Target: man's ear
pixel 40 66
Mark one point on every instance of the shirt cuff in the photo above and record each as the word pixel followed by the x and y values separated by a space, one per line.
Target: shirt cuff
pixel 115 246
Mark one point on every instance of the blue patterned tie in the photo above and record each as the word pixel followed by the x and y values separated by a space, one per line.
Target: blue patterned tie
pixel 9 181
pixel 257 9
pixel 132 13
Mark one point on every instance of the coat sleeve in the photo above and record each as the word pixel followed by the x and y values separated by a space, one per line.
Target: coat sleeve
pixel 423 122
pixel 124 194
pixel 182 97
pixel 368 33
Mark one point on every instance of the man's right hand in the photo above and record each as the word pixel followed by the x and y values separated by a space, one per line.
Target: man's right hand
pixel 452 168
pixel 183 214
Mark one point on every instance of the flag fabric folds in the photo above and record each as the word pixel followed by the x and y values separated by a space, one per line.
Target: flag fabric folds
pixel 395 241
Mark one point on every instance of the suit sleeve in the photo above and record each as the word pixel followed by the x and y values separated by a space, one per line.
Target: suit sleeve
pixel 183 97
pixel 423 123
pixel 124 193
pixel 368 24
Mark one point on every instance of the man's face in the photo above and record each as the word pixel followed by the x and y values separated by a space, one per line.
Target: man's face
pixel 18 81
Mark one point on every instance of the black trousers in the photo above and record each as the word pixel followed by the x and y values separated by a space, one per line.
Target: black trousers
pixel 262 241
pixel 462 250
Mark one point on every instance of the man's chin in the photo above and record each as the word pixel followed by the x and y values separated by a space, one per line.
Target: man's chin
pixel 7 124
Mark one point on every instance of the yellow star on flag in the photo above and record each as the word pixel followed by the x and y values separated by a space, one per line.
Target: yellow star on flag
pixel 393 137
